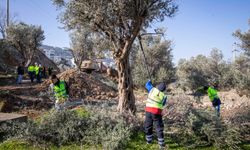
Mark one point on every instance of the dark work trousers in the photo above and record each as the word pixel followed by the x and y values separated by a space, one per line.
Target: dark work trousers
pixel 216 103
pixel 38 77
pixel 31 74
pixel 148 125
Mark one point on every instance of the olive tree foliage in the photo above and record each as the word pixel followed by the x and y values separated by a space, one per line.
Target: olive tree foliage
pixel 159 60
pixel 241 65
pixel 241 74
pixel 190 73
pixel 244 38
pixel 82 45
pixel 120 21
pixel 101 46
pixel 203 71
pixel 26 39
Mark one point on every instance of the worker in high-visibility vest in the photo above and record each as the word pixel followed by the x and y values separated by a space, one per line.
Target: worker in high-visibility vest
pixel 37 73
pixel 32 72
pixel 214 98
pixel 61 92
pixel 154 106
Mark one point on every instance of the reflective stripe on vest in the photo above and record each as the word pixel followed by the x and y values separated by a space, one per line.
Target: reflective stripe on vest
pixel 155 99
pixel 60 91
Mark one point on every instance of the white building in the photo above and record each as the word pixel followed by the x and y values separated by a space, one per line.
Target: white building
pixel 56 54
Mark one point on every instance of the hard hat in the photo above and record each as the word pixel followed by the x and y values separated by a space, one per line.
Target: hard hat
pixel 162 86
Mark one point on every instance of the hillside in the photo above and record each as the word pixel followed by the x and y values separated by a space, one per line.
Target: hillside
pixel 10 58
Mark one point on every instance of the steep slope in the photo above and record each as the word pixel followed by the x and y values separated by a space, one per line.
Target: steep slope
pixel 10 58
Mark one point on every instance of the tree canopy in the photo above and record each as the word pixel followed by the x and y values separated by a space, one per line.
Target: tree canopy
pixel 82 45
pixel 244 37
pixel 159 60
pixel 119 21
pixel 26 39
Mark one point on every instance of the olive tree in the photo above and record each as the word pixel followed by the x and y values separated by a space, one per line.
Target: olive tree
pixel 159 60
pixel 241 73
pixel 244 38
pixel 82 45
pixel 202 70
pixel 120 21
pixel 26 39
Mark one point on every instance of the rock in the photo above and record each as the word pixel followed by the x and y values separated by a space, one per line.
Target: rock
pixel 98 97
pixel 104 98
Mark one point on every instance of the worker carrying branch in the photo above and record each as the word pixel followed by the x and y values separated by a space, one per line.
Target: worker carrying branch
pixel 214 98
pixel 61 92
pixel 154 105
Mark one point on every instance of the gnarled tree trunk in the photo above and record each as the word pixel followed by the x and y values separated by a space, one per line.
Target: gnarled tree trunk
pixel 125 87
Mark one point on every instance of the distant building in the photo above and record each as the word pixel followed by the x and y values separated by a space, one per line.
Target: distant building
pixel 56 54
pixel 50 53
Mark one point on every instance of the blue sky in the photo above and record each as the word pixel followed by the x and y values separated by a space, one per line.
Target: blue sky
pixel 199 26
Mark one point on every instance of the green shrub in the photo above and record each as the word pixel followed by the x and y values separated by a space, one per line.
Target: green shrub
pixel 203 128
pixel 90 126
pixel 201 70
pixel 213 70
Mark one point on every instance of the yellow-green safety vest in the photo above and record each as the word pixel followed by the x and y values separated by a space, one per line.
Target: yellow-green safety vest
pixel 155 98
pixel 60 91
pixel 212 93
pixel 37 69
pixel 31 68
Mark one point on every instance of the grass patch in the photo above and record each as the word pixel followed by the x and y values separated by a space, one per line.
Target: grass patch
pixel 246 146
pixel 23 145
pixel 138 142
pixel 16 145
pixel 76 147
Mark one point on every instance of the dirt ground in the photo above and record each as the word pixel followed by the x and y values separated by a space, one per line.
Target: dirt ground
pixel 34 99
pixel 24 99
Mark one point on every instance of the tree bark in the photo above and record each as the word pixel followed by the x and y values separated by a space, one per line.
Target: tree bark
pixel 125 87
pixel 27 63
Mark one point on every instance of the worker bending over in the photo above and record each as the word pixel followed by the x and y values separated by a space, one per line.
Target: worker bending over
pixel 61 92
